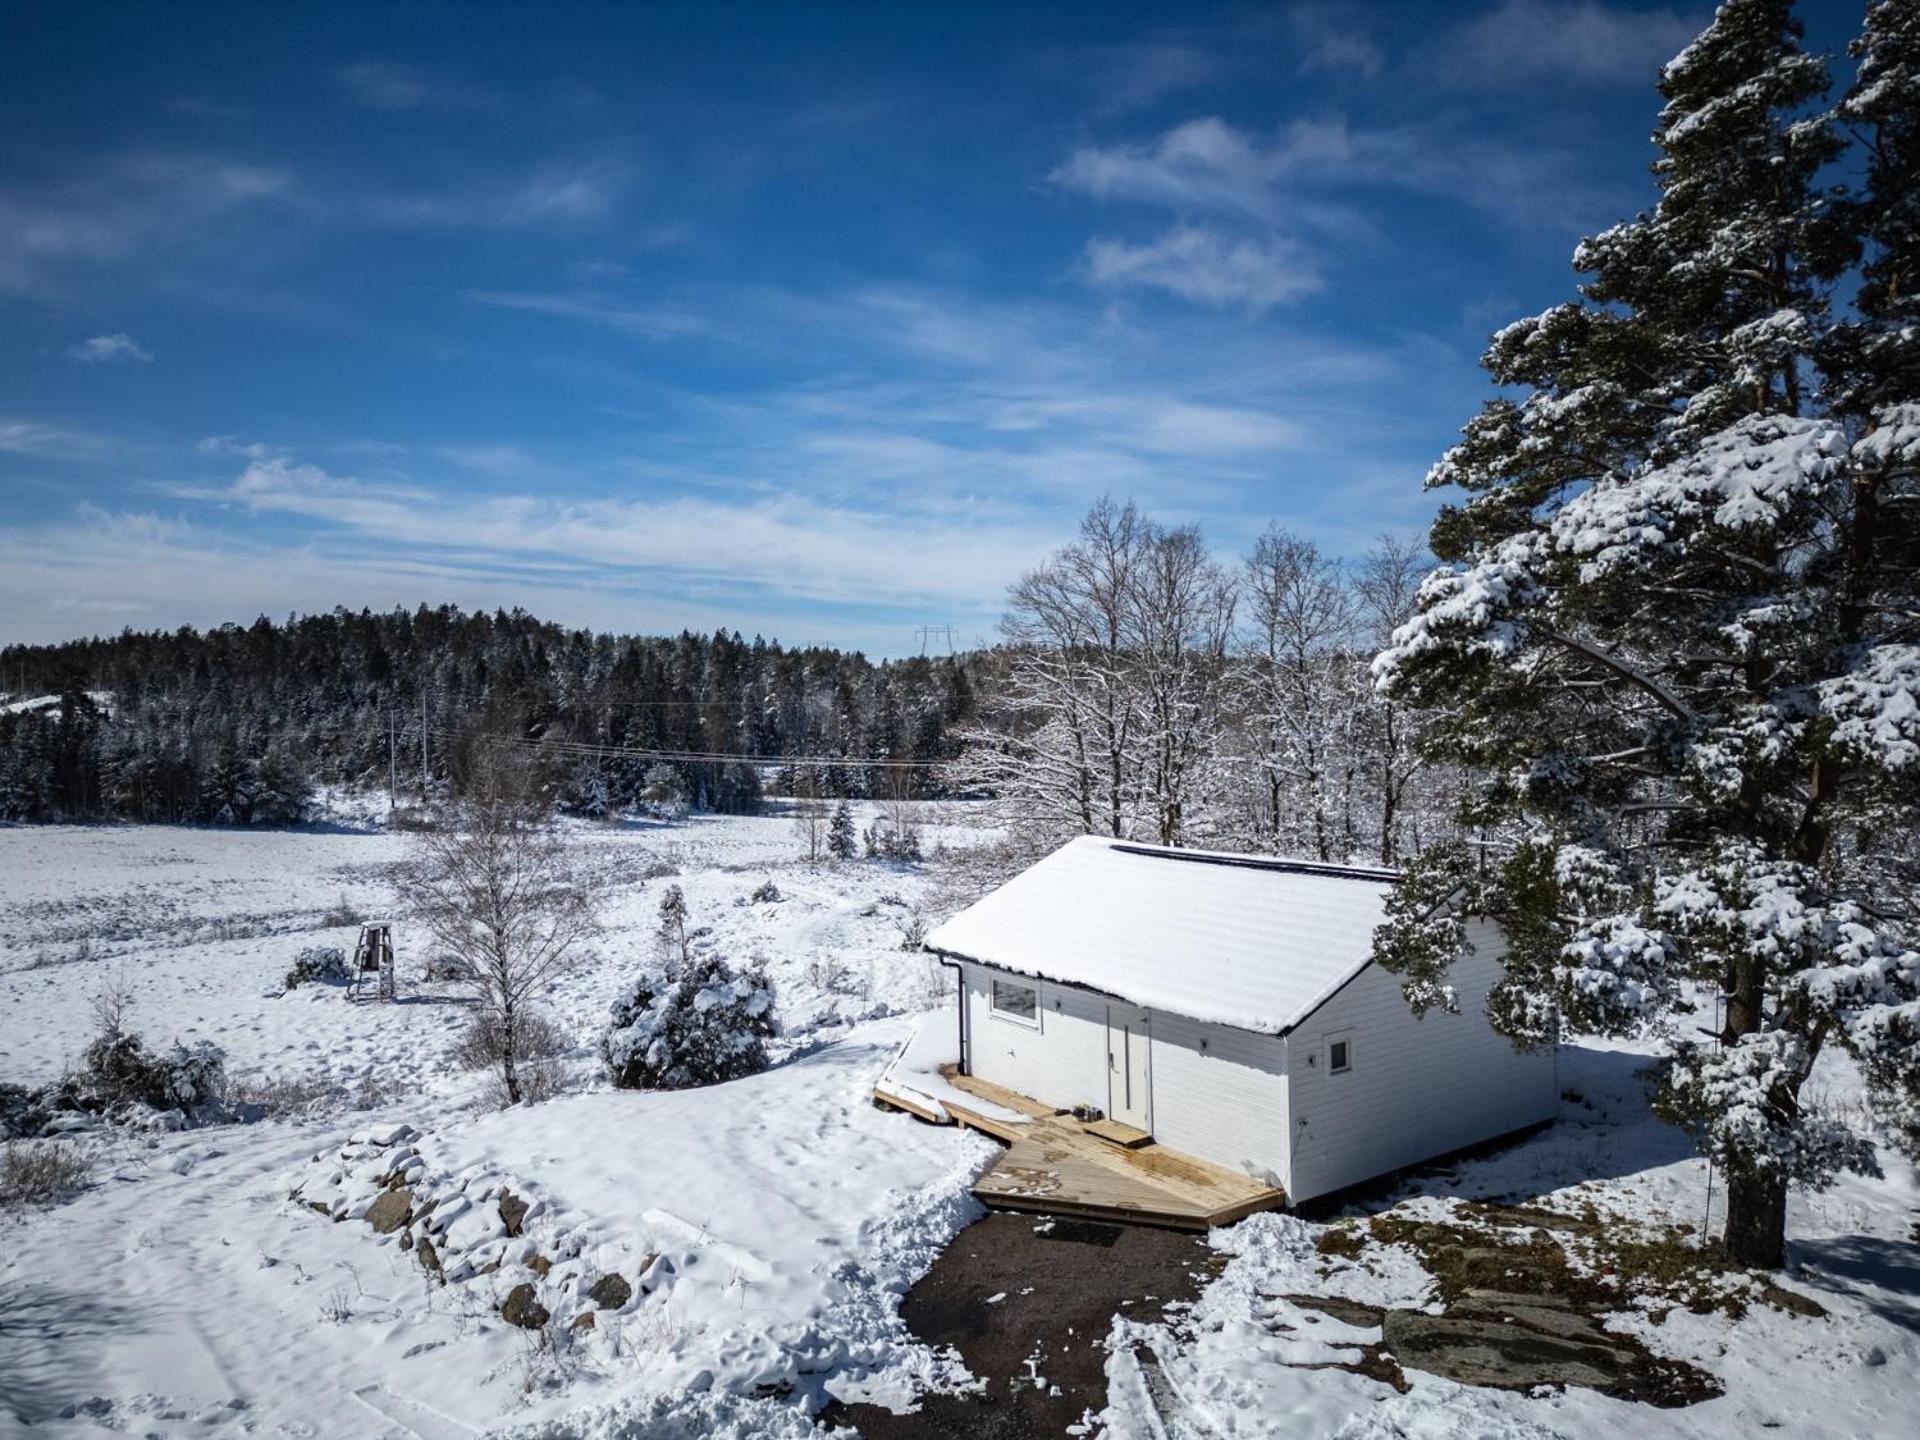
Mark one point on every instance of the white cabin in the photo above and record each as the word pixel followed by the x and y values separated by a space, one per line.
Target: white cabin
pixel 1229 1006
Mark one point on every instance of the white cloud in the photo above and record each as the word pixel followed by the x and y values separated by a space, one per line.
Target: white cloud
pixel 1580 39
pixel 1207 267
pixel 49 442
pixel 652 324
pixel 788 544
pixel 104 349
pixel 1284 178
pixel 140 205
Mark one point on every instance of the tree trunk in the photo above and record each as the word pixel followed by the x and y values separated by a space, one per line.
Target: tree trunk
pixel 1757 1221
pixel 1756 1203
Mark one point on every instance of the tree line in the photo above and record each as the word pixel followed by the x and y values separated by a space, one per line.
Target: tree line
pixel 238 724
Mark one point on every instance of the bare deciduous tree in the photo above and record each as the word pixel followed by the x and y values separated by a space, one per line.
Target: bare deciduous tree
pixel 500 889
pixel 810 815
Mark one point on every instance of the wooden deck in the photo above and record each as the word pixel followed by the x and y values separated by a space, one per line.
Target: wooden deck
pixel 1060 1166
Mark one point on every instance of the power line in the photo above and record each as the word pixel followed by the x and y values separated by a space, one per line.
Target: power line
pixel 589 749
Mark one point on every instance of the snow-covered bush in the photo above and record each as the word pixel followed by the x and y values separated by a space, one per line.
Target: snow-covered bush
pixel 700 1025
pixel 118 1072
pixel 766 893
pixel 663 793
pixel 319 965
pixel 890 838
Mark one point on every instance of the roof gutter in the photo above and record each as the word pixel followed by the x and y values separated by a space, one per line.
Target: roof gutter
pixel 955 958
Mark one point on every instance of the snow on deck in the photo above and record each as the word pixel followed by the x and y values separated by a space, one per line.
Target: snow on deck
pixel 1224 938
pixel 913 1077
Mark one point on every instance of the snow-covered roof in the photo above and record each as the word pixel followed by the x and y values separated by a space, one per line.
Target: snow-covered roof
pixel 1238 940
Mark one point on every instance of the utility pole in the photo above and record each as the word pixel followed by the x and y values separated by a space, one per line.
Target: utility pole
pixel 393 760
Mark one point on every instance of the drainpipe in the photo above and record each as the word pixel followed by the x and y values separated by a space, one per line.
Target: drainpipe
pixel 960 1011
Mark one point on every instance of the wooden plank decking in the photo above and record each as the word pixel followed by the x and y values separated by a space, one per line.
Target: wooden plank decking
pixel 1060 1166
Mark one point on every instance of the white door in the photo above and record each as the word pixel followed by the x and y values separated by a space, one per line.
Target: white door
pixel 1127 1079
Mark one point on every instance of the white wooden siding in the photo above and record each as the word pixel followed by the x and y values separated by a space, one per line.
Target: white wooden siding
pixel 1063 1061
pixel 1418 1087
pixel 1227 1102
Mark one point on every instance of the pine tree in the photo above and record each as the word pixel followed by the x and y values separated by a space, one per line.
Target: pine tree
pixel 843 839
pixel 1677 630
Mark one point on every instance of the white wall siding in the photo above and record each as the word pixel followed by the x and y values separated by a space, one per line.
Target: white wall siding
pixel 1063 1061
pixel 1226 1102
pixel 1417 1087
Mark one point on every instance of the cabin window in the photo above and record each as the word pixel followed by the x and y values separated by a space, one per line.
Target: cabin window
pixel 1340 1054
pixel 1014 1001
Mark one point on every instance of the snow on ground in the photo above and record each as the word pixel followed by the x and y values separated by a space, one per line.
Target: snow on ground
pixel 1234 1366
pixel 186 1294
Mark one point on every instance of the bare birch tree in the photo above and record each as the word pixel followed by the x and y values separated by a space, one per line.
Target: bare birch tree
pixel 1385 588
pixel 1299 633
pixel 501 890
pixel 1181 606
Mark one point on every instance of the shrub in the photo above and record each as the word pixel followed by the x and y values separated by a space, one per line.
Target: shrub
pixel 260 1096
pixel 767 893
pixel 42 1172
pixel 537 1048
pixel 23 1111
pixel 118 1072
pixel 663 793
pixel 446 967
pixel 343 913
pixel 697 1026
pixel 319 965
pixel 889 839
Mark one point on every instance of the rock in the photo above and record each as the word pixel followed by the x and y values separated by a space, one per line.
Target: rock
pixel 520 1308
pixel 406 1239
pixel 610 1292
pixel 539 1264
pixel 584 1320
pixel 513 1211
pixel 429 1257
pixel 1348 1312
pixel 1489 1349
pixel 391 1211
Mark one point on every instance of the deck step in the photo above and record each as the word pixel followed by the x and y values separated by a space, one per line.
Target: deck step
pixel 1114 1133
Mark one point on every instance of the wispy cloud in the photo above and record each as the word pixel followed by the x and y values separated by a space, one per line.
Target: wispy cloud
pixel 648 323
pixel 789 544
pixel 1207 165
pixel 1207 267
pixel 50 442
pixel 391 86
pixel 143 205
pixel 1330 43
pixel 1570 39
pixel 1131 76
pixel 106 349
pixel 567 190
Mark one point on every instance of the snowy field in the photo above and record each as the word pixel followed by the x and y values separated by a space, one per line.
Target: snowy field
pixel 769 1225
pixel 185 1294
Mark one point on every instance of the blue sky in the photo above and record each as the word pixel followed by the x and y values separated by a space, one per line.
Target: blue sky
pixel 818 323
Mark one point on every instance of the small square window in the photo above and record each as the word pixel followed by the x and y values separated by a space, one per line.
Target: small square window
pixel 1016 1001
pixel 1340 1056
